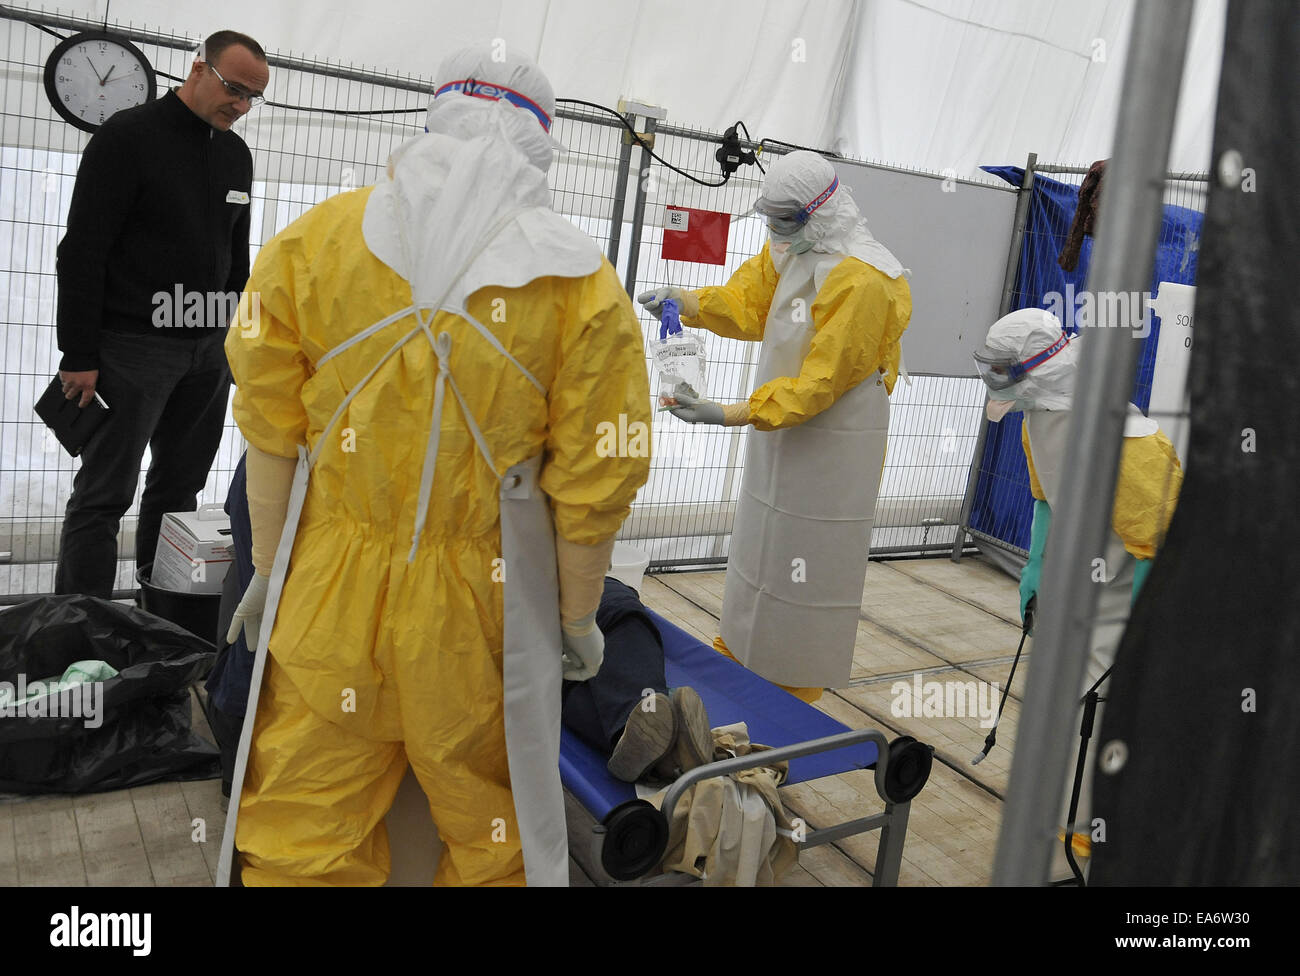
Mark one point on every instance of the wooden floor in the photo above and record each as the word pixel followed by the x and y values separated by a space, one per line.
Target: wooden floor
pixel 942 620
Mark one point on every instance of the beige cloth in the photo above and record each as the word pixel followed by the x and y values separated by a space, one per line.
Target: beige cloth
pixel 582 576
pixel 725 830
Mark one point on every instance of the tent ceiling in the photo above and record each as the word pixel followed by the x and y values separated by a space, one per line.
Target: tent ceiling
pixel 929 84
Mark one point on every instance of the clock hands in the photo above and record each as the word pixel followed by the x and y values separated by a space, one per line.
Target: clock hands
pixel 103 79
pixel 92 67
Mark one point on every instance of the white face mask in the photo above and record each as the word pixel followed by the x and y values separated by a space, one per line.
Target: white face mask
pixel 997 409
pixel 781 245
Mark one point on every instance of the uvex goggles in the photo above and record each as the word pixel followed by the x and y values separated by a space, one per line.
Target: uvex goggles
pixel 786 217
pixel 486 89
pixel 999 370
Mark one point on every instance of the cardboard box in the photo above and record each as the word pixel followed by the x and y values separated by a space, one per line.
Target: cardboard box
pixel 194 552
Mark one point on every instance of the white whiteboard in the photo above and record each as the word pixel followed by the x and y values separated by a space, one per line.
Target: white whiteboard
pixel 954 238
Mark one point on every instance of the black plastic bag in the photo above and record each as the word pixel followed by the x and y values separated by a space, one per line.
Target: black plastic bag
pixel 143 731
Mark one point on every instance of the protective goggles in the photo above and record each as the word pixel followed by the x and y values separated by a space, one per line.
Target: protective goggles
pixel 999 370
pixel 786 218
pixel 485 89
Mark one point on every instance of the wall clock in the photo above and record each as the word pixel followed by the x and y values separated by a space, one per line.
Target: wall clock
pixel 94 74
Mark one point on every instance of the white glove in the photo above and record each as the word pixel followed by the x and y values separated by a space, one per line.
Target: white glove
pixel 693 410
pixel 684 405
pixel 584 648
pixel 687 303
pixel 248 615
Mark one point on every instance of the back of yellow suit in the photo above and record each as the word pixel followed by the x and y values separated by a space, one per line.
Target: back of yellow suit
pixel 375 660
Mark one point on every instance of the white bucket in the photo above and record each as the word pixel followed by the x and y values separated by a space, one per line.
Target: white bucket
pixel 628 564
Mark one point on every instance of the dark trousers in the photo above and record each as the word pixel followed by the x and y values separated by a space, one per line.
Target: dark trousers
pixel 226 728
pixel 165 393
pixel 597 710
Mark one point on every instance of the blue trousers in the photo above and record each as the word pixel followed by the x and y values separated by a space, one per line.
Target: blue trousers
pixel 597 710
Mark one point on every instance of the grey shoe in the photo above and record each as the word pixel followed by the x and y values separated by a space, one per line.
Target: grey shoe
pixel 694 743
pixel 647 737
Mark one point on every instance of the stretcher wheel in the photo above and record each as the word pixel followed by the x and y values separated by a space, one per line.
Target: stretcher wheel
pixel 635 839
pixel 908 768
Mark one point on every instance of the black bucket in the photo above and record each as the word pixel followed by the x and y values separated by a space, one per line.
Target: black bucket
pixel 196 612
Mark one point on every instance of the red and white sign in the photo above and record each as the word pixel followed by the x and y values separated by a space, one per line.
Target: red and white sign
pixel 696 235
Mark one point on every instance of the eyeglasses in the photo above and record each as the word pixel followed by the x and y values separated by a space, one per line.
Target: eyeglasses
pixel 254 99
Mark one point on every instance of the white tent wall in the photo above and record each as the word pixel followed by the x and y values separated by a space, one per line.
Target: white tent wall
pixel 708 62
pixel 950 85
pixel 928 84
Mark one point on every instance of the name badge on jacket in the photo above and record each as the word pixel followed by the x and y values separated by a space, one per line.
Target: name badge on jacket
pixel 236 196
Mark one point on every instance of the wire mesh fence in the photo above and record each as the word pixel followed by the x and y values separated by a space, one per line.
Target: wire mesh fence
pixel 684 511
pixel 308 143
pixel 329 128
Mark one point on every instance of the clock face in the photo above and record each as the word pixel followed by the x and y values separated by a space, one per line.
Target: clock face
pixel 91 76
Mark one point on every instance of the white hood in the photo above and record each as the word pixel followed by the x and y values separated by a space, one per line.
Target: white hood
pixel 452 193
pixel 836 226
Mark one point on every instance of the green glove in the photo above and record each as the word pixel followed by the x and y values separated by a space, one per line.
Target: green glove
pixel 1033 570
pixel 1140 573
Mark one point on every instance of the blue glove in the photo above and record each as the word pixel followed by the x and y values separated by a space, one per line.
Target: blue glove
pixel 1033 570
pixel 1140 573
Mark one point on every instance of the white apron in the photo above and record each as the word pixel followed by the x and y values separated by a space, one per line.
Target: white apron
pixel 1048 432
pixel 531 661
pixel 802 533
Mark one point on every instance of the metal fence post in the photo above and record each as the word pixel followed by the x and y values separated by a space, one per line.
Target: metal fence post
pixel 620 194
pixel 1122 262
pixel 1008 290
pixel 638 212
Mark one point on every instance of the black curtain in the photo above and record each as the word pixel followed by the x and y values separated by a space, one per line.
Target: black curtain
pixel 1205 696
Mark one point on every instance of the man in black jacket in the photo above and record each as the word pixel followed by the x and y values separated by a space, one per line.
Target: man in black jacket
pixel 150 270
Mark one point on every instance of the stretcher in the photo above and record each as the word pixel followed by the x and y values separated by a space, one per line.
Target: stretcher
pixel 618 837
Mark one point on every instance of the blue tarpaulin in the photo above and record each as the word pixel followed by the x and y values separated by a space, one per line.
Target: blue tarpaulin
pixel 1002 506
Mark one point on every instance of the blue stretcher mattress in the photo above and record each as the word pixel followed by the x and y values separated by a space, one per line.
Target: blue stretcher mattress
pixel 731 694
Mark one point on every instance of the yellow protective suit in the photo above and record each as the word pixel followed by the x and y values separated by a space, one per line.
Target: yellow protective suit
pixel 859 314
pixel 1146 490
pixel 374 661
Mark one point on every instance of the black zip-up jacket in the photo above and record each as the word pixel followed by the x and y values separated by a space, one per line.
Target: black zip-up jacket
pixel 160 211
